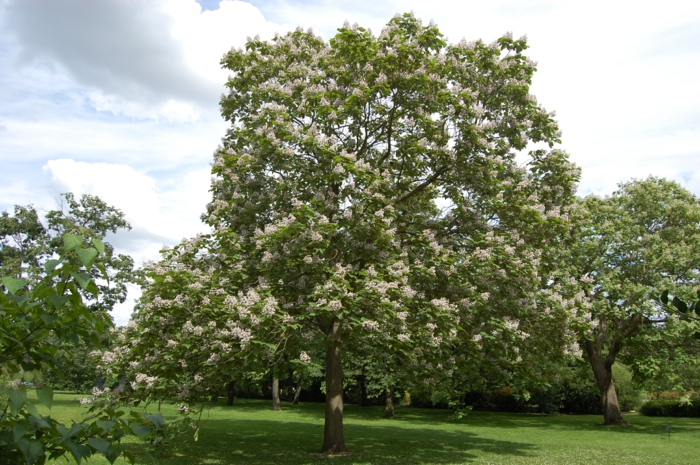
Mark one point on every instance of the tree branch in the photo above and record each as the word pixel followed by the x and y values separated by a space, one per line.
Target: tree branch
pixel 423 185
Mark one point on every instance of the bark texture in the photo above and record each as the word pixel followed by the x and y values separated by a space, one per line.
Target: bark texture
pixel 602 365
pixel 612 414
pixel 389 406
pixel 333 439
pixel 276 394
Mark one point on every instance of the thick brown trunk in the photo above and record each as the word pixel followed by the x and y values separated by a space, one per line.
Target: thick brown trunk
pixel 333 439
pixel 611 407
pixel 276 393
pixel 602 370
pixel 297 394
pixel 389 406
pixel 230 391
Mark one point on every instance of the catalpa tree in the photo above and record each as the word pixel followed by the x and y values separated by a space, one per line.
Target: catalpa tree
pixel 372 187
pixel 367 197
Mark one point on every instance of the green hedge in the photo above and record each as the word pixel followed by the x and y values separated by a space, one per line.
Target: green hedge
pixel 671 408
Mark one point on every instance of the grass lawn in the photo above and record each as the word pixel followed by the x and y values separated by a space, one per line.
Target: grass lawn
pixel 251 433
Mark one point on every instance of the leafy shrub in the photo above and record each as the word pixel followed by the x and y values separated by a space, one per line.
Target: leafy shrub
pixel 671 408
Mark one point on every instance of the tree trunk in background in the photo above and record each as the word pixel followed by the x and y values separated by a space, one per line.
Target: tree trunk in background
pixel 389 407
pixel 276 392
pixel 289 388
pixel 230 392
pixel 333 439
pixel 364 402
pixel 215 397
pixel 297 394
pixel 100 381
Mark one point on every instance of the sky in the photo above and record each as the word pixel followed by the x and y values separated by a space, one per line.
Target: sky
pixel 119 98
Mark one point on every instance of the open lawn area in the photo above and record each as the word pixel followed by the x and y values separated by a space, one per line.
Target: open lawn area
pixel 251 433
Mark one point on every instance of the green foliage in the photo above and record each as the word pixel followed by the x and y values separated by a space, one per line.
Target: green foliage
pixel 78 367
pixel 36 314
pixel 671 408
pixel 632 246
pixel 26 245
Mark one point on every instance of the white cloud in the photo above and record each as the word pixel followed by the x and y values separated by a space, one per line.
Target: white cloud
pixel 205 36
pixel 171 110
pixel 157 59
pixel 159 215
pixel 171 212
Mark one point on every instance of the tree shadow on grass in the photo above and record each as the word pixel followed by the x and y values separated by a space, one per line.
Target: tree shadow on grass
pixel 413 417
pixel 638 424
pixel 264 442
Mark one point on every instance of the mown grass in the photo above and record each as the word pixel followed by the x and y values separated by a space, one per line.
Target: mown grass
pixel 251 433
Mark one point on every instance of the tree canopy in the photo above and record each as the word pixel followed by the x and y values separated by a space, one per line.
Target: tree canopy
pixel 367 195
pixel 632 246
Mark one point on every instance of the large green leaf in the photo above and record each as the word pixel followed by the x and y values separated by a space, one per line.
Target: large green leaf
pixel 20 430
pixel 50 265
pixel 36 450
pixel 99 245
pixel 82 278
pixel 140 431
pixel 106 425
pixel 18 397
pixel 87 256
pixel 157 419
pixel 39 421
pixel 113 452
pixel 14 284
pixel 58 301
pixel 100 444
pixel 45 396
pixel 70 241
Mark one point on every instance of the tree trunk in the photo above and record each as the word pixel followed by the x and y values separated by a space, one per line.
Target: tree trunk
pixel 602 370
pixel 276 393
pixel 364 402
pixel 215 397
pixel 230 392
pixel 389 406
pixel 333 439
pixel 297 394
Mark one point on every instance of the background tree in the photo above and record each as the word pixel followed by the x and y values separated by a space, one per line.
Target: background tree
pixel 36 311
pixel 26 244
pixel 23 241
pixel 632 246
pixel 665 354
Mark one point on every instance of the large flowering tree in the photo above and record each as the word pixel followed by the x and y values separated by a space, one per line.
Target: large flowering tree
pixel 371 184
pixel 367 199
